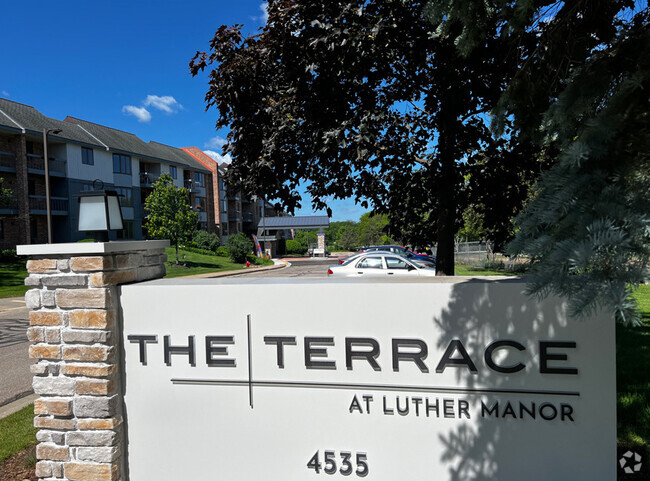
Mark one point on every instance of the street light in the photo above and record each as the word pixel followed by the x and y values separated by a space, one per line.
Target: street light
pixel 46 132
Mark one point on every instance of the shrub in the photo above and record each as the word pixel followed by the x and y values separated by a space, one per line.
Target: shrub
pixel 519 267
pixel 239 246
pixel 494 265
pixel 8 255
pixel 295 247
pixel 222 251
pixel 206 240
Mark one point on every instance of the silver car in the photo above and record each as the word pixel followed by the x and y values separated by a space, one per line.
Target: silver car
pixel 380 264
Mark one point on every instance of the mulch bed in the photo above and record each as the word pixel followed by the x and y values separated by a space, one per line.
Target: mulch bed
pixel 14 468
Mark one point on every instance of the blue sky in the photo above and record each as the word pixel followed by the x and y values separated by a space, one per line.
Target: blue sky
pixel 124 64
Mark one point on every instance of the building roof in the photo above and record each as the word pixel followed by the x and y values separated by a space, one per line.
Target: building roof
pixel 202 157
pixel 23 118
pixel 298 222
pixel 176 155
pixel 26 119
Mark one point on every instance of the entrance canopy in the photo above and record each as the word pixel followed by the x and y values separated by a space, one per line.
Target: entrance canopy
pixel 299 222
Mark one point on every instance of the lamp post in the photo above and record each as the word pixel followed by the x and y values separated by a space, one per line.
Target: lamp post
pixel 99 212
pixel 46 132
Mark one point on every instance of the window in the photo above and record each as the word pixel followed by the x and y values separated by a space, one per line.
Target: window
pixel 31 187
pixel 201 204
pixel 370 263
pixel 86 187
pixel 122 164
pixel 87 156
pixel 223 206
pixel 127 232
pixel 199 179
pixel 396 263
pixel 126 196
pixel 173 172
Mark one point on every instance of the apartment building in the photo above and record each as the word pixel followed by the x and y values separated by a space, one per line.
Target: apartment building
pixel 81 153
pixel 233 212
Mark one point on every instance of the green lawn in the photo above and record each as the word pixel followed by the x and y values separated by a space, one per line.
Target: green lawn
pixel 18 432
pixel 12 278
pixel 193 263
pixel 633 380
pixel 465 270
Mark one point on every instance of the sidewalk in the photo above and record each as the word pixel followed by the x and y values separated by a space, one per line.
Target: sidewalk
pixel 15 406
pixel 11 303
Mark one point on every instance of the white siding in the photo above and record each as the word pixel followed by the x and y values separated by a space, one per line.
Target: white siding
pixel 135 171
pixel 103 168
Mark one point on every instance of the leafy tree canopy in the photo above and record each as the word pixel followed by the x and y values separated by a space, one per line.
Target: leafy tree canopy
pixel 588 227
pixel 169 215
pixel 580 95
pixel 6 195
pixel 369 99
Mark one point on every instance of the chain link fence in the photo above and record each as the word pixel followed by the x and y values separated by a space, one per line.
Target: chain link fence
pixel 474 253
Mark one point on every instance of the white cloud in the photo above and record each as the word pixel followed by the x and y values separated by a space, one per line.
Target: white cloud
pixel 5 93
pixel 265 12
pixel 218 157
pixel 264 18
pixel 215 142
pixel 166 103
pixel 140 113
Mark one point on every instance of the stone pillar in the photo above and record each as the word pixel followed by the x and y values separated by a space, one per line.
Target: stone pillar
pixel 76 340
pixel 321 243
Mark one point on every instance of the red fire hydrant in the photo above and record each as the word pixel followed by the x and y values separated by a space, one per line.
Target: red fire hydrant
pixel 248 263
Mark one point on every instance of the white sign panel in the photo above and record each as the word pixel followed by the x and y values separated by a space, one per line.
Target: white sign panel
pixel 320 380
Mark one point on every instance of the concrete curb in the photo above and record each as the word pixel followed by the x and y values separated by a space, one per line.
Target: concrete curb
pixel 15 406
pixel 279 264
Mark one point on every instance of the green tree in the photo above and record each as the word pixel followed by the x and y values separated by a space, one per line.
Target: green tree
pixel 365 99
pixel 372 229
pixel 472 229
pixel 6 195
pixel 169 215
pixel 587 230
pixel 239 246
pixel 349 239
pixel 335 230
pixel 305 238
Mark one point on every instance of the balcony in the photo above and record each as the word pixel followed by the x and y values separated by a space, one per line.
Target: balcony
pixel 7 162
pixel 38 205
pixel 147 179
pixel 36 163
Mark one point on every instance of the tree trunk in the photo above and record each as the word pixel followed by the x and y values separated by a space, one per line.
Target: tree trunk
pixel 446 221
pixel 446 207
pixel 177 254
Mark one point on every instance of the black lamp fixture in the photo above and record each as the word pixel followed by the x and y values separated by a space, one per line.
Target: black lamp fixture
pixel 99 212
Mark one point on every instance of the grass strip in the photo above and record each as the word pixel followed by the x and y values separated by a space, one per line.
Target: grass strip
pixel 12 279
pixel 191 263
pixel 18 432
pixel 633 379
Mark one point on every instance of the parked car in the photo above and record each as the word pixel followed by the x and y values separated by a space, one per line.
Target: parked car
pixel 380 264
pixel 403 251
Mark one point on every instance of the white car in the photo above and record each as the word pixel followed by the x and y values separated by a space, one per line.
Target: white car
pixel 380 264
